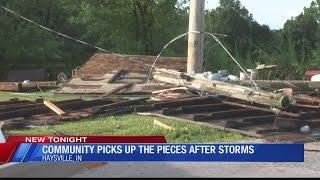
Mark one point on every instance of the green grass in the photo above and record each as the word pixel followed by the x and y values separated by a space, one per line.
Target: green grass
pixel 121 125
pixel 136 125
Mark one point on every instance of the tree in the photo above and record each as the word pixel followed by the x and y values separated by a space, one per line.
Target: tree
pixel 247 40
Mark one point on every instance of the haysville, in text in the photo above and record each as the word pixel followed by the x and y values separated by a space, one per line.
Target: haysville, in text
pixel 49 139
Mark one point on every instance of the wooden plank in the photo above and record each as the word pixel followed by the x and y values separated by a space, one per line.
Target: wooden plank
pixel 259 119
pixel 305 99
pixel 54 108
pixel 286 123
pixel 170 89
pixel 42 109
pixel 208 107
pixel 125 86
pixel 144 108
pixel 121 104
pixel 10 86
pixel 250 134
pixel 186 102
pixel 231 114
pixel 117 75
pixel 170 111
pixel 196 109
pixel 310 115
pixel 314 122
pixel 262 109
pixel 84 86
pixel 234 124
pixel 116 112
pixel 280 84
pixel 164 126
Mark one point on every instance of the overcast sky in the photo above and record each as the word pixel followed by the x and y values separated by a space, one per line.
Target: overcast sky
pixel 270 12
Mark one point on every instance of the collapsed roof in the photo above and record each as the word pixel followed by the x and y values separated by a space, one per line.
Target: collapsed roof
pixel 102 74
pixel 100 64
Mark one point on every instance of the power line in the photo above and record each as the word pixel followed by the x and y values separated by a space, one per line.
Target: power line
pixel 217 40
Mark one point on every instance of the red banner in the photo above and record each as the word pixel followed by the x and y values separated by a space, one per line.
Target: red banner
pixel 7 150
pixel 87 139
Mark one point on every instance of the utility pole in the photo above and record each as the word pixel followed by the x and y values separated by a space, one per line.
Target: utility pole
pixel 196 40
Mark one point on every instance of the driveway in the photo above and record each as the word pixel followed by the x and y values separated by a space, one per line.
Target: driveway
pixel 309 168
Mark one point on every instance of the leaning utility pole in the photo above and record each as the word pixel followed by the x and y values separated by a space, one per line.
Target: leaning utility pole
pixel 196 40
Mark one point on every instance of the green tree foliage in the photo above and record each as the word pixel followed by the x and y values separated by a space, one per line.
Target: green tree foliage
pixel 298 41
pixel 247 40
pixel 145 26
pixel 135 26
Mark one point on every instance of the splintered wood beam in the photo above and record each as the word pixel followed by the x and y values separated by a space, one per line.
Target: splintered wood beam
pixel 186 102
pixel 305 99
pixel 125 86
pixel 162 125
pixel 276 84
pixel 227 89
pixel 117 75
pixel 171 89
pixel 196 109
pixel 54 108
pixel 231 114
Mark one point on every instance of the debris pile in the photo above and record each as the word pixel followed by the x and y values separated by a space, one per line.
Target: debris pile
pixel 104 73
pixel 222 75
pixel 20 113
pixel 276 111
pixel 222 88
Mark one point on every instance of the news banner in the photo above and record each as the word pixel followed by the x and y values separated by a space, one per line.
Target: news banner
pixel 139 148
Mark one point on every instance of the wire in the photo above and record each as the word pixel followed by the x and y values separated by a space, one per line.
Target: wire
pixel 72 38
pixel 252 81
pixel 173 40
pixel 216 39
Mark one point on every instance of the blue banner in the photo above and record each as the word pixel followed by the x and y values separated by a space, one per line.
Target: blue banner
pixel 160 152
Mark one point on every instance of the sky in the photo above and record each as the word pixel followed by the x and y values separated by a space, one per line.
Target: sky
pixel 273 13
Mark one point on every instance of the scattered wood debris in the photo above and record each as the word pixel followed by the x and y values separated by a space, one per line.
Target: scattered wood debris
pixel 162 125
pixel 233 106
pixel 54 108
pixel 230 90
pixel 220 112
pixel 173 93
pixel 120 88
pixel 238 116
pixel 37 113
pixel 103 73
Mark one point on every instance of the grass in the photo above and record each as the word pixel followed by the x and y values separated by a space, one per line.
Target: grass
pixel 135 125
pixel 121 125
